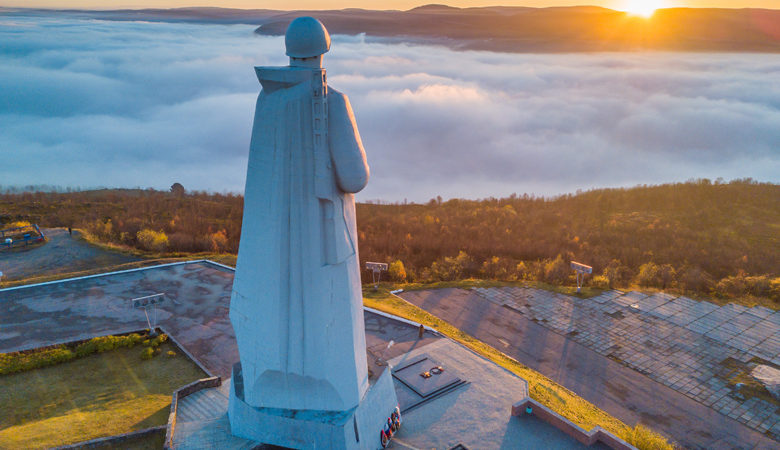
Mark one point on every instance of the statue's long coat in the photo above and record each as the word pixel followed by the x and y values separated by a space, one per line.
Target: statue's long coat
pixel 296 306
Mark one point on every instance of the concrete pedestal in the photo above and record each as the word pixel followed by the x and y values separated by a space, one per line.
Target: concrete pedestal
pixel 357 428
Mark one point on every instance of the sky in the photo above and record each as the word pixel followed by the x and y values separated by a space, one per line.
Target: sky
pixel 375 4
pixel 132 104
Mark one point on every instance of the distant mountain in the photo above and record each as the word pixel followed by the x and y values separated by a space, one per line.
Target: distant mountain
pixel 508 29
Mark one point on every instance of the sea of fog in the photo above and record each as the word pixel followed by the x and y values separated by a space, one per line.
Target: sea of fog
pixel 123 104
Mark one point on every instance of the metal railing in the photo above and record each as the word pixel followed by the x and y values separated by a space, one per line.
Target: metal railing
pixel 20 236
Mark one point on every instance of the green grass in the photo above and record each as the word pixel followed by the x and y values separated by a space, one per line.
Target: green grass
pixel 48 356
pixel 154 441
pixel 541 388
pixel 100 395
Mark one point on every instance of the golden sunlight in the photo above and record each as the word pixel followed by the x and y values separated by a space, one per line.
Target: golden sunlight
pixel 644 8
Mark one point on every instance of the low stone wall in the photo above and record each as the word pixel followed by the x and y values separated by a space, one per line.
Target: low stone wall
pixel 179 394
pixel 597 434
pixel 186 352
pixel 113 441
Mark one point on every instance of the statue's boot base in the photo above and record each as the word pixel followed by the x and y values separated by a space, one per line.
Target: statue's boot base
pixel 357 428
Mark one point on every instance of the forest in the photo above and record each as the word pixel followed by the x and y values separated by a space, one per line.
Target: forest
pixel 714 238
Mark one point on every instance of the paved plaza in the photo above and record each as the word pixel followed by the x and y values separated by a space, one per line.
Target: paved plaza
pixel 475 414
pixel 569 340
pixel 195 313
pixel 682 343
pixel 658 359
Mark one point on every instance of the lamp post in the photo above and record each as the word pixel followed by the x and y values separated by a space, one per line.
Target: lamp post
pixel 581 270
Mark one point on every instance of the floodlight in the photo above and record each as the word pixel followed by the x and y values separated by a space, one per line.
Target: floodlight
pixel 376 269
pixel 581 270
pixel 146 302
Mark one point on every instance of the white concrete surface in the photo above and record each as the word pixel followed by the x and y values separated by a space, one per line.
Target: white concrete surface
pixel 296 305
pixel 477 414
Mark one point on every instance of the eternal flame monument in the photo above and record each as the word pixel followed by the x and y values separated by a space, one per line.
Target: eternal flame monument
pixel 296 306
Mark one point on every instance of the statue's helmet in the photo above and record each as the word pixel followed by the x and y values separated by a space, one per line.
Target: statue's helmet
pixel 306 37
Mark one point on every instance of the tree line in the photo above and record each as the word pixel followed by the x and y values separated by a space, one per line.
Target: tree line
pixel 700 236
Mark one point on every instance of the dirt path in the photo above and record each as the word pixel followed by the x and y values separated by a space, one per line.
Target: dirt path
pixel 619 390
pixel 62 253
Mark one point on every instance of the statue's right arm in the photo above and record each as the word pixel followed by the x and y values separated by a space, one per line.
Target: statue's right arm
pixel 346 148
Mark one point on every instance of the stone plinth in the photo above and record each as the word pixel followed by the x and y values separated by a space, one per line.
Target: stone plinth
pixel 357 428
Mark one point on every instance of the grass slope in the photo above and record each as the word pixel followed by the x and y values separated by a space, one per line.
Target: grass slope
pixel 100 395
pixel 587 291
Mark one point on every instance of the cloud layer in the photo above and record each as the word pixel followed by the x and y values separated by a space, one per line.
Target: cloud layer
pixel 93 103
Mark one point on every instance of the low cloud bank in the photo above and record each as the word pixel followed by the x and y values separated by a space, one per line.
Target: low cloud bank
pixel 94 103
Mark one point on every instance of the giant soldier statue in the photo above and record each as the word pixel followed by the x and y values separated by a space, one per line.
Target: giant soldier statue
pixel 296 306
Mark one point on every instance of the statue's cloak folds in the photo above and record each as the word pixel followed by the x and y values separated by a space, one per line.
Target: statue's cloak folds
pixel 296 305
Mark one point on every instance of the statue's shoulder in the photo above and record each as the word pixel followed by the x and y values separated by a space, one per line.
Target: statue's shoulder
pixel 336 97
pixel 275 78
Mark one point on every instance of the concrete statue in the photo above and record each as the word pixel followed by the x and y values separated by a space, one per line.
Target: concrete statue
pixel 296 305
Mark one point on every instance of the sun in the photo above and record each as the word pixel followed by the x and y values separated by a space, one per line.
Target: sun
pixel 644 8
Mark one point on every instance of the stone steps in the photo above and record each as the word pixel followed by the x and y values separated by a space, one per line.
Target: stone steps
pixel 209 434
pixel 202 405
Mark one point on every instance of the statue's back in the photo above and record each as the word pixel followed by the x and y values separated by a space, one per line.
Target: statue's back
pixel 296 295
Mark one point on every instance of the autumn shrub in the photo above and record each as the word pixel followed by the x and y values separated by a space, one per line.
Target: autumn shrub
pixel 600 281
pixel 106 343
pixel 774 289
pixel 536 270
pixel 86 348
pixel 156 241
pixel 396 271
pixel 617 273
pixel 219 241
pixel 648 275
pixel 497 268
pixel 22 361
pixel 16 224
pixel 102 228
pixel 694 279
pixel 148 353
pixel 557 271
pixel 522 272
pixel 741 285
pixel 33 359
pixel 159 340
pixel 451 268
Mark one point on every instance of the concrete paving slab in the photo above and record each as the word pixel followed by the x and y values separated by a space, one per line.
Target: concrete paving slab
pixel 683 359
pixel 761 311
pixel 630 298
pixel 476 415
pixel 439 377
pixel 196 313
pixel 654 301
